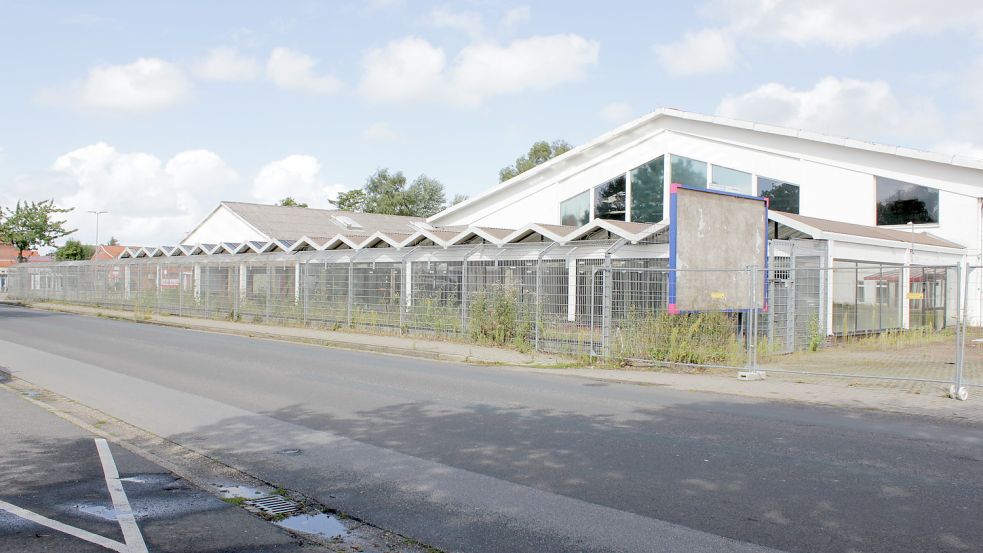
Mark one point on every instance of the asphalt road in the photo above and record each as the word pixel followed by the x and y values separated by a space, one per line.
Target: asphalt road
pixel 53 469
pixel 487 459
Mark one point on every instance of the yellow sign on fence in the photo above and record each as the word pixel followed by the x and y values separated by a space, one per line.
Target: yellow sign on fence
pixel 916 295
pixel 718 295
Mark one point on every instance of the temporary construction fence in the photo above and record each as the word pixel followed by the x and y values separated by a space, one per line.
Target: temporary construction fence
pixel 600 299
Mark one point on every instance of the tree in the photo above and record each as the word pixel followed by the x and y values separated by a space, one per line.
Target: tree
pixel 30 225
pixel 458 198
pixel 112 241
pixel 73 250
pixel 538 153
pixel 290 202
pixel 387 193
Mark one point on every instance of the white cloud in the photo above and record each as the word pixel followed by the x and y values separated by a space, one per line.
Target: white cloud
pixel 466 22
pixel 517 16
pixel 699 52
pixel 616 113
pixel 844 24
pixel 294 70
pixel 297 176
pixel 226 64
pixel 845 107
pixel 413 70
pixel 408 69
pixel 379 132
pixel 150 202
pixel 838 24
pixel 147 84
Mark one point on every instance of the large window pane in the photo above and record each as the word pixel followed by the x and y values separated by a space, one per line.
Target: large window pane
pixel 731 180
pixel 609 199
pixel 899 203
pixel 782 196
pixel 648 191
pixel 688 172
pixel 576 210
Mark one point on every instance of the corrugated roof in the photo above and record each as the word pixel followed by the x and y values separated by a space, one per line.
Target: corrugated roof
pixel 293 223
pixel 881 233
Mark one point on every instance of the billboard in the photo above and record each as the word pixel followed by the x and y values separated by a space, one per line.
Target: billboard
pixel 714 238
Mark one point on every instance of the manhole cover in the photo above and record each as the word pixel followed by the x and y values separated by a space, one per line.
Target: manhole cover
pixel 271 505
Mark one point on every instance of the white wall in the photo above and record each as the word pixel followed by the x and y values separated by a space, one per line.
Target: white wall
pixel 223 226
pixel 836 183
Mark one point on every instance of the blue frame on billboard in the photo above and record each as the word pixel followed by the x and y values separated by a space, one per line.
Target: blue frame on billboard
pixel 672 308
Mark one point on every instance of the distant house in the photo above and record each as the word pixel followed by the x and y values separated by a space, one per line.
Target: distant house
pixel 107 252
pixel 246 222
pixel 8 257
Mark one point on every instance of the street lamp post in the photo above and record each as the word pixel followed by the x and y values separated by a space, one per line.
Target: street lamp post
pixel 97 214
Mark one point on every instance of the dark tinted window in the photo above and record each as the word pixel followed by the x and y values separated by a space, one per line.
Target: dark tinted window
pixel 782 196
pixel 609 199
pixel 647 191
pixel 688 172
pixel 899 203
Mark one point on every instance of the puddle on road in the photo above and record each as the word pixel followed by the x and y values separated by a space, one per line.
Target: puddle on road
pixel 100 511
pixel 246 492
pixel 320 525
pixel 156 479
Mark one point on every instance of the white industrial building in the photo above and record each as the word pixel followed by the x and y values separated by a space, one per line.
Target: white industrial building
pixel 887 220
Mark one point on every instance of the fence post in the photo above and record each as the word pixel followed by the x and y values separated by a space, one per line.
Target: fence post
pixel 464 294
pixel 351 282
pixel 539 292
pixel 606 286
pixel 305 285
pixel 235 291
pixel 957 390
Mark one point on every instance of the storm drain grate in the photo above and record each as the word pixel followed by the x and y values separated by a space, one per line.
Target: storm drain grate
pixel 271 505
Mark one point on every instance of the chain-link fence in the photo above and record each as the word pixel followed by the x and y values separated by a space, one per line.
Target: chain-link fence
pixel 605 299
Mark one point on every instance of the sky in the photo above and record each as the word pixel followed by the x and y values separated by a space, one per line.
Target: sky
pixel 155 112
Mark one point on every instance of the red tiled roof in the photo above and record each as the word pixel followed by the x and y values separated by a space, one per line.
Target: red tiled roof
pixel 9 253
pixel 108 252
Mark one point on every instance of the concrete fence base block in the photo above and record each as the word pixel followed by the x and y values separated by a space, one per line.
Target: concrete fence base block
pixel 962 394
pixel 751 375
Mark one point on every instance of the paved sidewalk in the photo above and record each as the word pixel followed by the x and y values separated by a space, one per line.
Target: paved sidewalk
pixel 400 345
pixel 835 392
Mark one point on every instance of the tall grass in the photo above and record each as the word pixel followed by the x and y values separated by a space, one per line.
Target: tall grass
pixel 710 338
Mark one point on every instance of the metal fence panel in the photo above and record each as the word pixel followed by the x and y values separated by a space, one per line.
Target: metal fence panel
pixel 863 321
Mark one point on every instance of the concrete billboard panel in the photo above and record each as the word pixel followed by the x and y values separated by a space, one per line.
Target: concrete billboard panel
pixel 714 237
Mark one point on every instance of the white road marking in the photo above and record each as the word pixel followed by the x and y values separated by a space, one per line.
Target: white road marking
pixel 127 522
pixel 70 530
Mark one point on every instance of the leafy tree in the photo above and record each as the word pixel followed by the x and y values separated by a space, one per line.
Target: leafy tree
pixel 458 198
pixel 353 200
pixel 387 193
pixel 31 225
pixel 538 153
pixel 112 241
pixel 424 197
pixel 290 202
pixel 73 250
